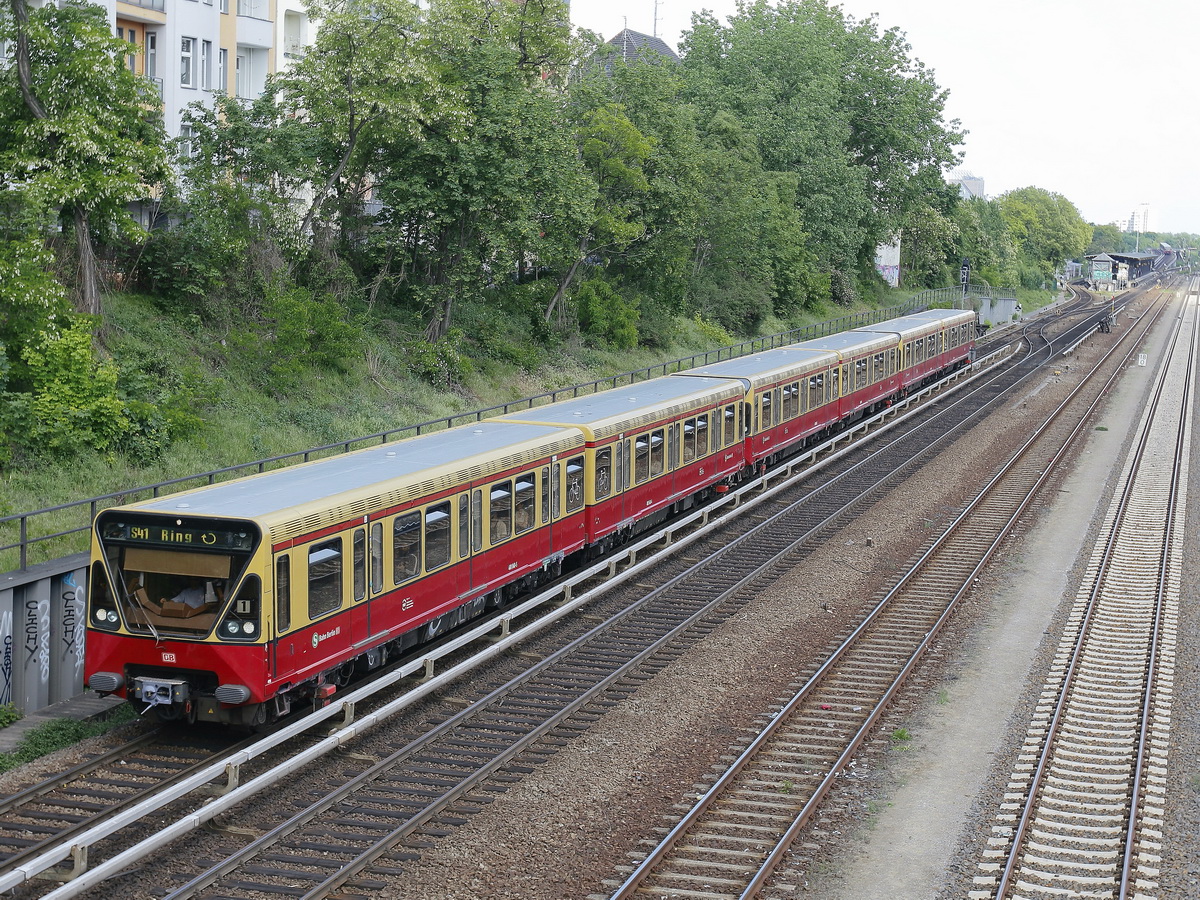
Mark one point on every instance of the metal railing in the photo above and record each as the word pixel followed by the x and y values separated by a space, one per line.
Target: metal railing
pixel 60 529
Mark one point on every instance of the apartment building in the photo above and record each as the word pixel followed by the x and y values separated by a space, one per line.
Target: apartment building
pixel 191 49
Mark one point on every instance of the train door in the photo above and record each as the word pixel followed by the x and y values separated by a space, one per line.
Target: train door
pixel 359 608
pixel 283 607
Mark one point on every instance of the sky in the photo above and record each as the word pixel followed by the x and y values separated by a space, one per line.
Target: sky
pixel 1091 99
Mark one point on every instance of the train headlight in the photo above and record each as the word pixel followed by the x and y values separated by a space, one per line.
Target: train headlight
pixel 248 628
pixel 231 627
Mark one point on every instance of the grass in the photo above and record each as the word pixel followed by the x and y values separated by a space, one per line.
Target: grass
pixel 242 421
pixel 58 734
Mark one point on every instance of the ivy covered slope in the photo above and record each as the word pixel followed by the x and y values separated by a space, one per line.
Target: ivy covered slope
pixel 442 208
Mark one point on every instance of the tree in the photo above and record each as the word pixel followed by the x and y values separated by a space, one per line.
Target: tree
pixel 1047 230
pixel 75 120
pixel 833 102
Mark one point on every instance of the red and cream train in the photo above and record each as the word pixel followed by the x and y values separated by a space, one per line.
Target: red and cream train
pixel 236 601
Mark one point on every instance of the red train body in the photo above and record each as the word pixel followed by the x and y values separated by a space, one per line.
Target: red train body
pixel 233 602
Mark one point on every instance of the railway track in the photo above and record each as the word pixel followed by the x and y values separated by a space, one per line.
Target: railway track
pixel 545 713
pixel 55 810
pixel 1084 809
pixel 730 843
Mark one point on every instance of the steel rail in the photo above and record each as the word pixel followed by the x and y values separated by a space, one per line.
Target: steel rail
pixel 1023 823
pixel 771 860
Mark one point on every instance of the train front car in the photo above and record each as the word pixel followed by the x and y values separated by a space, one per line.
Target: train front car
pixel 175 618
pixel 240 601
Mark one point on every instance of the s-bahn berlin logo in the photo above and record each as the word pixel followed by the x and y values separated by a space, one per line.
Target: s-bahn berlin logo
pixel 317 638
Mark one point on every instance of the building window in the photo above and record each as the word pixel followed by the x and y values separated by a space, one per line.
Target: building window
pixel 206 65
pixel 132 50
pixel 151 54
pixel 225 7
pixel 187 59
pixel 222 69
pixel 188 146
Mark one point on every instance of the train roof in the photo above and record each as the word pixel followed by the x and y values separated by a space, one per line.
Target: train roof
pixel 917 324
pixel 629 407
pixel 847 343
pixel 767 367
pixel 299 498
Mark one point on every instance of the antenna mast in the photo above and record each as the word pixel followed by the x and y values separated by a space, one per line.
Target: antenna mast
pixel 656 18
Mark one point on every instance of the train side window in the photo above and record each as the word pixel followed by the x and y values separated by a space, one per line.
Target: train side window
pixel 834 383
pixel 673 445
pixel 500 511
pixel 406 546
pixel 555 481
pixel 702 435
pixel 641 466
pixel 283 593
pixel 730 426
pixel 656 452
pixel 689 440
pixel 376 557
pixel 476 520
pixel 360 563
pixel 765 406
pixel 464 526
pixel 526 511
pixel 574 483
pixel 545 494
pixel 789 402
pixel 437 536
pixel 324 577
pixel 620 472
pixel 603 472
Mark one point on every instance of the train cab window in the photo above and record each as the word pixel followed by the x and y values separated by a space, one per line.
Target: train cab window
pixel 324 577
pixel 437 536
pixel 545 494
pixel 406 547
pixel 476 520
pixel 360 563
pixel 525 516
pixel 500 511
pixel 604 480
pixel 702 435
pixel 283 593
pixel 656 452
pixel 464 526
pixel 574 483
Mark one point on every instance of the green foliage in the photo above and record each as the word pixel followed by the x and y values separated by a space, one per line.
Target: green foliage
pixel 72 404
pixel 606 315
pixel 58 734
pixel 303 330
pixel 9 714
pixel 439 363
pixel 1047 230
pixel 712 333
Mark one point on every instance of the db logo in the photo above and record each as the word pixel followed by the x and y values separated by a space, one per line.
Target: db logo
pixel 168 657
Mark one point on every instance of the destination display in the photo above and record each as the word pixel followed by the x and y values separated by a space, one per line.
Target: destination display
pixel 177 536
